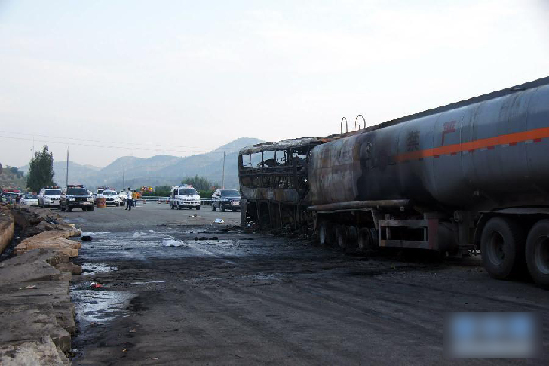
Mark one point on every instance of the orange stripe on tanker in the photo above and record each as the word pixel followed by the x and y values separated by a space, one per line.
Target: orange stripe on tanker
pixel 488 143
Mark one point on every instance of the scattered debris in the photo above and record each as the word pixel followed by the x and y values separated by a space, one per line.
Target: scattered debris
pixel 30 287
pixel 219 221
pixel 86 238
pixel 96 285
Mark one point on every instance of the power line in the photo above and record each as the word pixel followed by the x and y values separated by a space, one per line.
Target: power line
pixel 98 141
pixel 108 146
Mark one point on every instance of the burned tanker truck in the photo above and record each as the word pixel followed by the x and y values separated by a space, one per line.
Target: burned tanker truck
pixel 472 175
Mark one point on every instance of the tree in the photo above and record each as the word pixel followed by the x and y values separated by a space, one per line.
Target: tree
pixel 199 183
pixel 40 170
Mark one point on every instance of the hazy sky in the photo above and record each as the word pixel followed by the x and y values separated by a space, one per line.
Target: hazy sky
pixel 113 78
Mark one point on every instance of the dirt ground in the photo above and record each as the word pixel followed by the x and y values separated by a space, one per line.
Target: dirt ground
pixel 180 290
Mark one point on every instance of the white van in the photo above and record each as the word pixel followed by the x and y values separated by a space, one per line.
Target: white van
pixel 184 197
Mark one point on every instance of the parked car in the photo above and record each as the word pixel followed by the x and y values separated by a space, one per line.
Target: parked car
pixel 226 199
pixel 29 199
pixel 111 197
pixel 49 197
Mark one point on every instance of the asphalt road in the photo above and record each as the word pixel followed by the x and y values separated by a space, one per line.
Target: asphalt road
pixel 178 289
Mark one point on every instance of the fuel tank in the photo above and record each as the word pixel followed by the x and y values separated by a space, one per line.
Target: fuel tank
pixel 486 153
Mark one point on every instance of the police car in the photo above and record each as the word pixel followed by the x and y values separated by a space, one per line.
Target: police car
pixel 76 196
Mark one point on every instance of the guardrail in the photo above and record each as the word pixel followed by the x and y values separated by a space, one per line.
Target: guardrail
pixel 203 201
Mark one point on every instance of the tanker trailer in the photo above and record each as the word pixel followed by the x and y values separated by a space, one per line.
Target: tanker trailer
pixel 470 175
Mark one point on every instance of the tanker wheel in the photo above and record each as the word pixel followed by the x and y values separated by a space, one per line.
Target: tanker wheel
pixel 364 239
pixel 341 236
pixel 502 248
pixel 352 236
pixel 537 253
pixel 325 233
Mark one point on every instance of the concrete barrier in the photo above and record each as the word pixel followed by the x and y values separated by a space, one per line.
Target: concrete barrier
pixel 36 314
pixel 55 240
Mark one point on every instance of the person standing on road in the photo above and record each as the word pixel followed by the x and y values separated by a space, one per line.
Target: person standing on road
pixel 129 201
pixel 134 198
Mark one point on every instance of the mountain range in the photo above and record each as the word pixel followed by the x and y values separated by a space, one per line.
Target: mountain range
pixel 129 171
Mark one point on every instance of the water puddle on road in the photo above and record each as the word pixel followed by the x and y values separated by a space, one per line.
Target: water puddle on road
pixel 145 282
pixel 96 306
pixel 89 269
pixel 96 233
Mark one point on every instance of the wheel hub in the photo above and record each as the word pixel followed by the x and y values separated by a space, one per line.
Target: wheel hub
pixel 496 252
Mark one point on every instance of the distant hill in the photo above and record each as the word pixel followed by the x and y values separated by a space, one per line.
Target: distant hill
pixel 129 171
pixel 236 145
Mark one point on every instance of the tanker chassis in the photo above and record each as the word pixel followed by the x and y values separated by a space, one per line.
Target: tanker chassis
pixel 469 176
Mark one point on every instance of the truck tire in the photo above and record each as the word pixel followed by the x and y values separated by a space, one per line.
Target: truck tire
pixel 91 208
pixel 367 239
pixel 222 208
pixel 213 207
pixel 341 236
pixel 197 208
pixel 325 233
pixel 68 208
pixel 352 236
pixel 502 248
pixel 537 253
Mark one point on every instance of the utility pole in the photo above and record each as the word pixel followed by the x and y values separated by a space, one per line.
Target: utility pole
pixel 67 175
pixel 223 176
pixel 123 174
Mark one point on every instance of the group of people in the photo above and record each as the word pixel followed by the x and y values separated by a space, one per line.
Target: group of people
pixel 131 199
